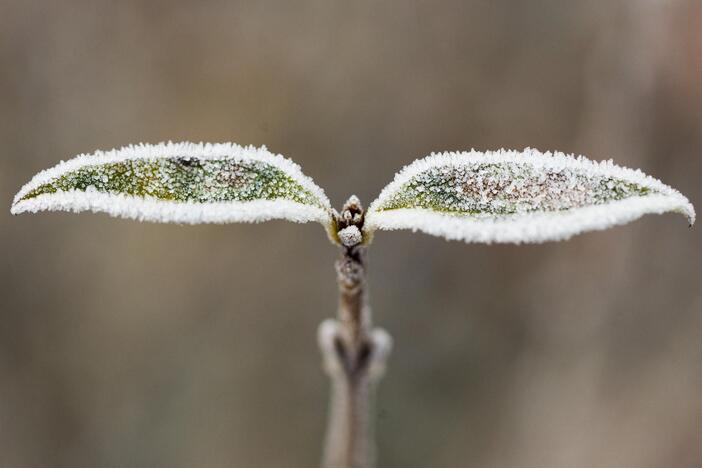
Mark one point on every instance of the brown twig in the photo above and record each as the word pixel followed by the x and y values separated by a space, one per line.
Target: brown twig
pixel 354 354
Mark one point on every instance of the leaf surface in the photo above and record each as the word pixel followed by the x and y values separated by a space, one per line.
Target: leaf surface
pixel 181 183
pixel 517 197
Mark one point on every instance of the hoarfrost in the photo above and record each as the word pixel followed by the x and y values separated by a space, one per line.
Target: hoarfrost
pixel 502 196
pixel 516 197
pixel 180 182
pixel 350 236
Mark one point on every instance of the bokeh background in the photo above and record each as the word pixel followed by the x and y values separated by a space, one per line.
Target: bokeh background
pixel 143 345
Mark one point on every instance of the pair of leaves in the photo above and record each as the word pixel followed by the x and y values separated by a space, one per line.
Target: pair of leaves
pixel 503 196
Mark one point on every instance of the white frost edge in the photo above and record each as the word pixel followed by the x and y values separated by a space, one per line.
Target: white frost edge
pixel 153 209
pixel 182 149
pixel 526 228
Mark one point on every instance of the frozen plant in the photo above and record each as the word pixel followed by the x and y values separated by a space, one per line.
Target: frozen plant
pixel 502 196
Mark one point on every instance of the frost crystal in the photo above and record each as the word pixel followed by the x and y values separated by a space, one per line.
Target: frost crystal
pixel 509 196
pixel 180 182
pixel 350 236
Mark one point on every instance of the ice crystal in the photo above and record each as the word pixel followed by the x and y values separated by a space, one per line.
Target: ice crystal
pixel 183 182
pixel 350 236
pixel 509 196
pixel 503 196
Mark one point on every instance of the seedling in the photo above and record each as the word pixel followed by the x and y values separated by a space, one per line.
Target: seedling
pixel 486 197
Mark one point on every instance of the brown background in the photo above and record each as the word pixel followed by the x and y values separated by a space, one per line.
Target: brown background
pixel 142 345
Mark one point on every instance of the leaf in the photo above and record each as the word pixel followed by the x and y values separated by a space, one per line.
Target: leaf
pixel 517 197
pixel 181 183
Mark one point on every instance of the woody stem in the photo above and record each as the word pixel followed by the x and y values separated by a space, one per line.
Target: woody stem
pixel 354 357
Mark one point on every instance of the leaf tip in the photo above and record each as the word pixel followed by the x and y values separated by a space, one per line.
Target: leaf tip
pixel 20 206
pixel 684 207
pixel 16 206
pixel 689 211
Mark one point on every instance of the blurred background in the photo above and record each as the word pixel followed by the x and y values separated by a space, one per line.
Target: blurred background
pixel 141 345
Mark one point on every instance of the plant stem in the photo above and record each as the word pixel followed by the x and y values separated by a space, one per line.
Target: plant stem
pixel 354 358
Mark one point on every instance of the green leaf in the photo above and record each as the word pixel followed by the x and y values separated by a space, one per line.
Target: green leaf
pixel 509 196
pixel 184 183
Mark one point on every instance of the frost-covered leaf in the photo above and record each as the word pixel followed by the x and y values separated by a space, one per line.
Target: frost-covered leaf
pixel 181 183
pixel 515 197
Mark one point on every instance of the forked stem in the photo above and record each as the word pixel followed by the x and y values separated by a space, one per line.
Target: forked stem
pixel 354 354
